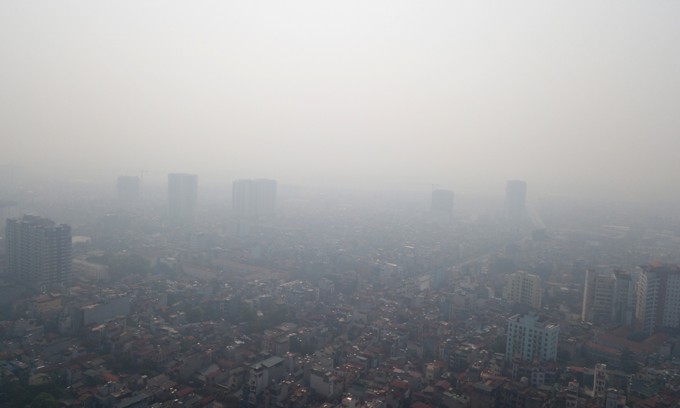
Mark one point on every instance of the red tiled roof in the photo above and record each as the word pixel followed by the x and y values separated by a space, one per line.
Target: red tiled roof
pixel 184 392
pixel 656 340
pixel 109 377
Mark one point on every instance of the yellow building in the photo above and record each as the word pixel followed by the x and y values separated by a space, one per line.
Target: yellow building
pixel 522 287
pixel 46 302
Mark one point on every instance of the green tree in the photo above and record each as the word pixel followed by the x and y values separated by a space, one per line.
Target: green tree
pixel 45 400
pixel 147 365
pixel 248 314
pixel 185 345
pixel 628 363
pixel 195 314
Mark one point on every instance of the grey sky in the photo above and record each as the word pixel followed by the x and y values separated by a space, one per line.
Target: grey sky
pixel 571 96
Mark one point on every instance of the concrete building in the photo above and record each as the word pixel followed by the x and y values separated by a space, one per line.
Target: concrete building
pixel 254 199
pixel 100 312
pixel 515 199
pixel 323 382
pixel 572 395
pixel 600 381
pixel 608 297
pixel 263 374
pixel 530 336
pixel 522 287
pixel 615 398
pixel 38 252
pixel 90 270
pixel 658 299
pixel 182 196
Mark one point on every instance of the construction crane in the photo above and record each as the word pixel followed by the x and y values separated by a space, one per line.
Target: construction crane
pixel 141 176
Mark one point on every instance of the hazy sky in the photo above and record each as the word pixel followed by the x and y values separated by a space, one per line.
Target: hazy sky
pixel 571 96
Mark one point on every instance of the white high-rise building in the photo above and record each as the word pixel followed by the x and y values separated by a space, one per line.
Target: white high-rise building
pixel 523 287
pixel 658 298
pixel 531 335
pixel 254 199
pixel 182 196
pixel 38 252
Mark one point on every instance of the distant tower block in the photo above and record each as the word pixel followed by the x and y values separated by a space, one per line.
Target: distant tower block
pixel 254 199
pixel 515 199
pixel 38 252
pixel 442 200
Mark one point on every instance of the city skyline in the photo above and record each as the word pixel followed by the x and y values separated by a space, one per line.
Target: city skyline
pixel 466 96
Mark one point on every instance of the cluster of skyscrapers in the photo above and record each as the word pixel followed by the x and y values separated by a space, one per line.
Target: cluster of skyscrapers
pixel 652 305
pixel 252 199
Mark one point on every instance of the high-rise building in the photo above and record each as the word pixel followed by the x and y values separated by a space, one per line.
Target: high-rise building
pixel 182 196
pixel 442 200
pixel 254 199
pixel 624 298
pixel 598 297
pixel 530 336
pixel 515 199
pixel 38 251
pixel 608 297
pixel 127 188
pixel 658 298
pixel 523 287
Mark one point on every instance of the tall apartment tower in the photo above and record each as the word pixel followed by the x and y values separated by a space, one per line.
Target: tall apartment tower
pixel 608 297
pixel 530 336
pixel 515 199
pixel 38 251
pixel 658 298
pixel 182 196
pixel 127 188
pixel 523 287
pixel 254 199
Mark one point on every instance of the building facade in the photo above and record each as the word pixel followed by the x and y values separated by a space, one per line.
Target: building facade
pixel 254 199
pixel 523 287
pixel 658 299
pixel 182 196
pixel 530 336
pixel 608 297
pixel 38 251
